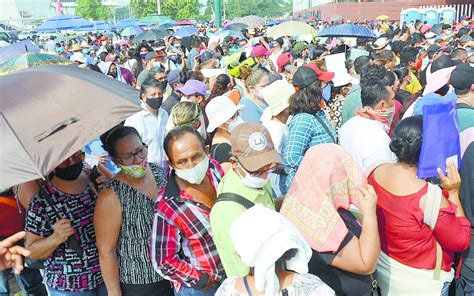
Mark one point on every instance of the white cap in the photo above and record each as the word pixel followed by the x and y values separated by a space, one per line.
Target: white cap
pixel 341 78
pixel 219 110
pixel 78 57
pixel 380 43
pixel 276 95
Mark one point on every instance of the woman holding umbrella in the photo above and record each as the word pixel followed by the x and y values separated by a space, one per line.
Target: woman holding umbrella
pixel 64 208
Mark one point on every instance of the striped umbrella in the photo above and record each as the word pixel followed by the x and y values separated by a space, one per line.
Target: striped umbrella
pixel 30 60
pixel 346 30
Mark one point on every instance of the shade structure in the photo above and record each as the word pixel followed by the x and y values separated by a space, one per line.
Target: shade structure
pixel 48 113
pixel 154 19
pixel 131 30
pixel 382 17
pixel 98 26
pixel 30 60
pixel 252 21
pixel 150 35
pixel 292 28
pixel 346 30
pixel 126 23
pixel 236 27
pixel 63 22
pixel 186 31
pixel 16 49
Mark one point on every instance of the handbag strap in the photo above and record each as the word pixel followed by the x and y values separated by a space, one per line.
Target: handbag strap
pixel 228 196
pixel 430 217
pixel 326 128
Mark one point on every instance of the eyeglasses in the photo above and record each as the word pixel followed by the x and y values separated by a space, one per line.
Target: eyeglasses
pixel 75 158
pixel 141 153
pixel 260 172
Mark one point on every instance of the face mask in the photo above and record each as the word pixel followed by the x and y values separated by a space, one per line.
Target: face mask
pixel 233 125
pixel 135 170
pixel 113 74
pixel 155 103
pixel 163 85
pixel 143 55
pixel 69 173
pixel 327 92
pixel 196 174
pixel 386 114
pixel 254 182
pixel 288 68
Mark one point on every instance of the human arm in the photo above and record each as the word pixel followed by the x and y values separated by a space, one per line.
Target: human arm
pixel 299 137
pixel 44 247
pixel 107 224
pixel 11 255
pixel 360 255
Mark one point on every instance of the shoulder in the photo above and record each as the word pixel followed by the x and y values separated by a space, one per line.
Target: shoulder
pixel 107 199
pixel 302 118
pixel 135 118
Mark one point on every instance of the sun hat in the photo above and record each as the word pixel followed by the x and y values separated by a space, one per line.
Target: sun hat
pixel 380 43
pixel 219 110
pixel 276 95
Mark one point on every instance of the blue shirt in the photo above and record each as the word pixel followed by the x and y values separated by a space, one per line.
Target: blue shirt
pixel 192 54
pixel 251 111
pixel 305 131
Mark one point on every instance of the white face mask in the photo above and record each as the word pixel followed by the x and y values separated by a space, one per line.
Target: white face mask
pixel 254 182
pixel 196 174
pixel 233 125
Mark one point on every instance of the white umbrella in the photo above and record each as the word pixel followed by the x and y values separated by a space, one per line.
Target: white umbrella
pixel 292 28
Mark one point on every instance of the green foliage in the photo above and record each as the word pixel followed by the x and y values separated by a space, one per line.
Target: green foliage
pixel 180 9
pixel 264 8
pixel 142 8
pixel 92 9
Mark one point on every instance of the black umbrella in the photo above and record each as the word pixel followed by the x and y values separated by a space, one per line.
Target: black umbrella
pixel 150 35
pixel 237 27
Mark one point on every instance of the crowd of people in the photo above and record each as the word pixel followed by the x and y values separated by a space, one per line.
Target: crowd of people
pixel 253 169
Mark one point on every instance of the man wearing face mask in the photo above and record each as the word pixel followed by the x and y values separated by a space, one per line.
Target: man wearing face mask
pixel 151 121
pixel 365 136
pixel 253 160
pixel 182 245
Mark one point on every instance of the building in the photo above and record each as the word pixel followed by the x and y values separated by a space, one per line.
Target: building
pixel 370 9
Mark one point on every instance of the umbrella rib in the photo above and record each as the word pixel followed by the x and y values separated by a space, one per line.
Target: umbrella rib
pixel 24 148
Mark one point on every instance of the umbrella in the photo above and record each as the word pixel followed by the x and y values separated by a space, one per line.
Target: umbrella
pixel 150 35
pixel 236 27
pixel 165 26
pixel 154 19
pixel 168 23
pixel 126 23
pixel 63 22
pixel 16 49
pixel 132 30
pixel 184 23
pixel 185 31
pixel 225 33
pixel 29 60
pixel 252 21
pixel 97 26
pixel 52 112
pixel 291 28
pixel 346 30
pixel 382 17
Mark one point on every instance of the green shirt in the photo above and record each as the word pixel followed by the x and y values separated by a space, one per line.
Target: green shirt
pixel 224 213
pixel 351 104
pixel 466 118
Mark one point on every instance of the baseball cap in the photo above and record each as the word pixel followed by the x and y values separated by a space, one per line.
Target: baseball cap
pixel 174 76
pixel 380 43
pixel 252 145
pixel 462 77
pixel 206 56
pixel 276 95
pixel 219 110
pixel 309 73
pixel 78 57
pixel 299 47
pixel 282 60
pixel 259 51
pixel 193 86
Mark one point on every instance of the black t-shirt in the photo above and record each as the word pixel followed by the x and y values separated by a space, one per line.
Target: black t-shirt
pixel 342 282
pixel 169 103
pixel 221 152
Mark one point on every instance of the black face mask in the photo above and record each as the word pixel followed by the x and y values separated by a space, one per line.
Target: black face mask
pixel 113 74
pixel 163 85
pixel 69 173
pixel 155 103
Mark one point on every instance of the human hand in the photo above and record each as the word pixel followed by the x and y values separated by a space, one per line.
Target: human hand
pixel 62 230
pixel 367 199
pixel 11 255
pixel 452 181
pixel 102 158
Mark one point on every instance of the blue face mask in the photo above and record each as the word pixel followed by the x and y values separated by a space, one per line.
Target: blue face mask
pixel 143 55
pixel 327 92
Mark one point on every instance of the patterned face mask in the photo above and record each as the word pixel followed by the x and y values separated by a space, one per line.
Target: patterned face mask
pixel 135 170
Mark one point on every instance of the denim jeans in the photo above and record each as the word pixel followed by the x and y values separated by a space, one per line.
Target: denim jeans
pixel 186 291
pixel 445 289
pixel 99 291
pixel 30 282
pixel 464 286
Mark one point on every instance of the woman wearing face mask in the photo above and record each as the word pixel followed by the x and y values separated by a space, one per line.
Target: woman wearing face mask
pixel 253 105
pixel 123 217
pixel 112 70
pixel 64 208
pixel 140 55
pixel 224 117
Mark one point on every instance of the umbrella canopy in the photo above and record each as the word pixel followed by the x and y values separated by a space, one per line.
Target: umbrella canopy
pixel 225 33
pixel 291 28
pixel 132 30
pixel 237 27
pixel 154 19
pixel 252 21
pixel 168 23
pixel 63 22
pixel 98 26
pixel 16 49
pixel 29 60
pixel 382 17
pixel 184 23
pixel 52 112
pixel 126 23
pixel 346 30
pixel 185 32
pixel 150 35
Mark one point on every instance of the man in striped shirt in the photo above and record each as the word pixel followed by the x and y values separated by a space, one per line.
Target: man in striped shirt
pixel 183 249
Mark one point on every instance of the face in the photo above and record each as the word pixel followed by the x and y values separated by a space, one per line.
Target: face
pixel 261 60
pixel 113 70
pixel 186 152
pixel 396 84
pixel 143 50
pixel 74 159
pixel 260 173
pixel 160 76
pixel 196 98
pixel 160 54
pixel 130 150
pixel 151 93
pixel 260 85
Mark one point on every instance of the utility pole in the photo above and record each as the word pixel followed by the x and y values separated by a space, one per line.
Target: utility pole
pixel 217 10
pixel 158 4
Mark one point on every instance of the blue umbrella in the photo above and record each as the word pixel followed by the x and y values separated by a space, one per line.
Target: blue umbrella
pixel 16 49
pixel 225 33
pixel 126 23
pixel 63 22
pixel 168 22
pixel 346 30
pixel 132 30
pixel 98 26
pixel 185 32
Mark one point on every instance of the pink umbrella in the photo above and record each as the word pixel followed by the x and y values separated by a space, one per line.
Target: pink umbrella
pixel 184 23
pixel 425 28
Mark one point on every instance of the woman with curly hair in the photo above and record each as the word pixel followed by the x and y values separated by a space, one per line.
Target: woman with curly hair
pixel 417 252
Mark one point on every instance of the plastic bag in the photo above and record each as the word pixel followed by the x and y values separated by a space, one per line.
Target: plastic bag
pixel 440 138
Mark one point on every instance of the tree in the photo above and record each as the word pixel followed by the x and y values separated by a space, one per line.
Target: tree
pixel 92 9
pixel 142 8
pixel 175 9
